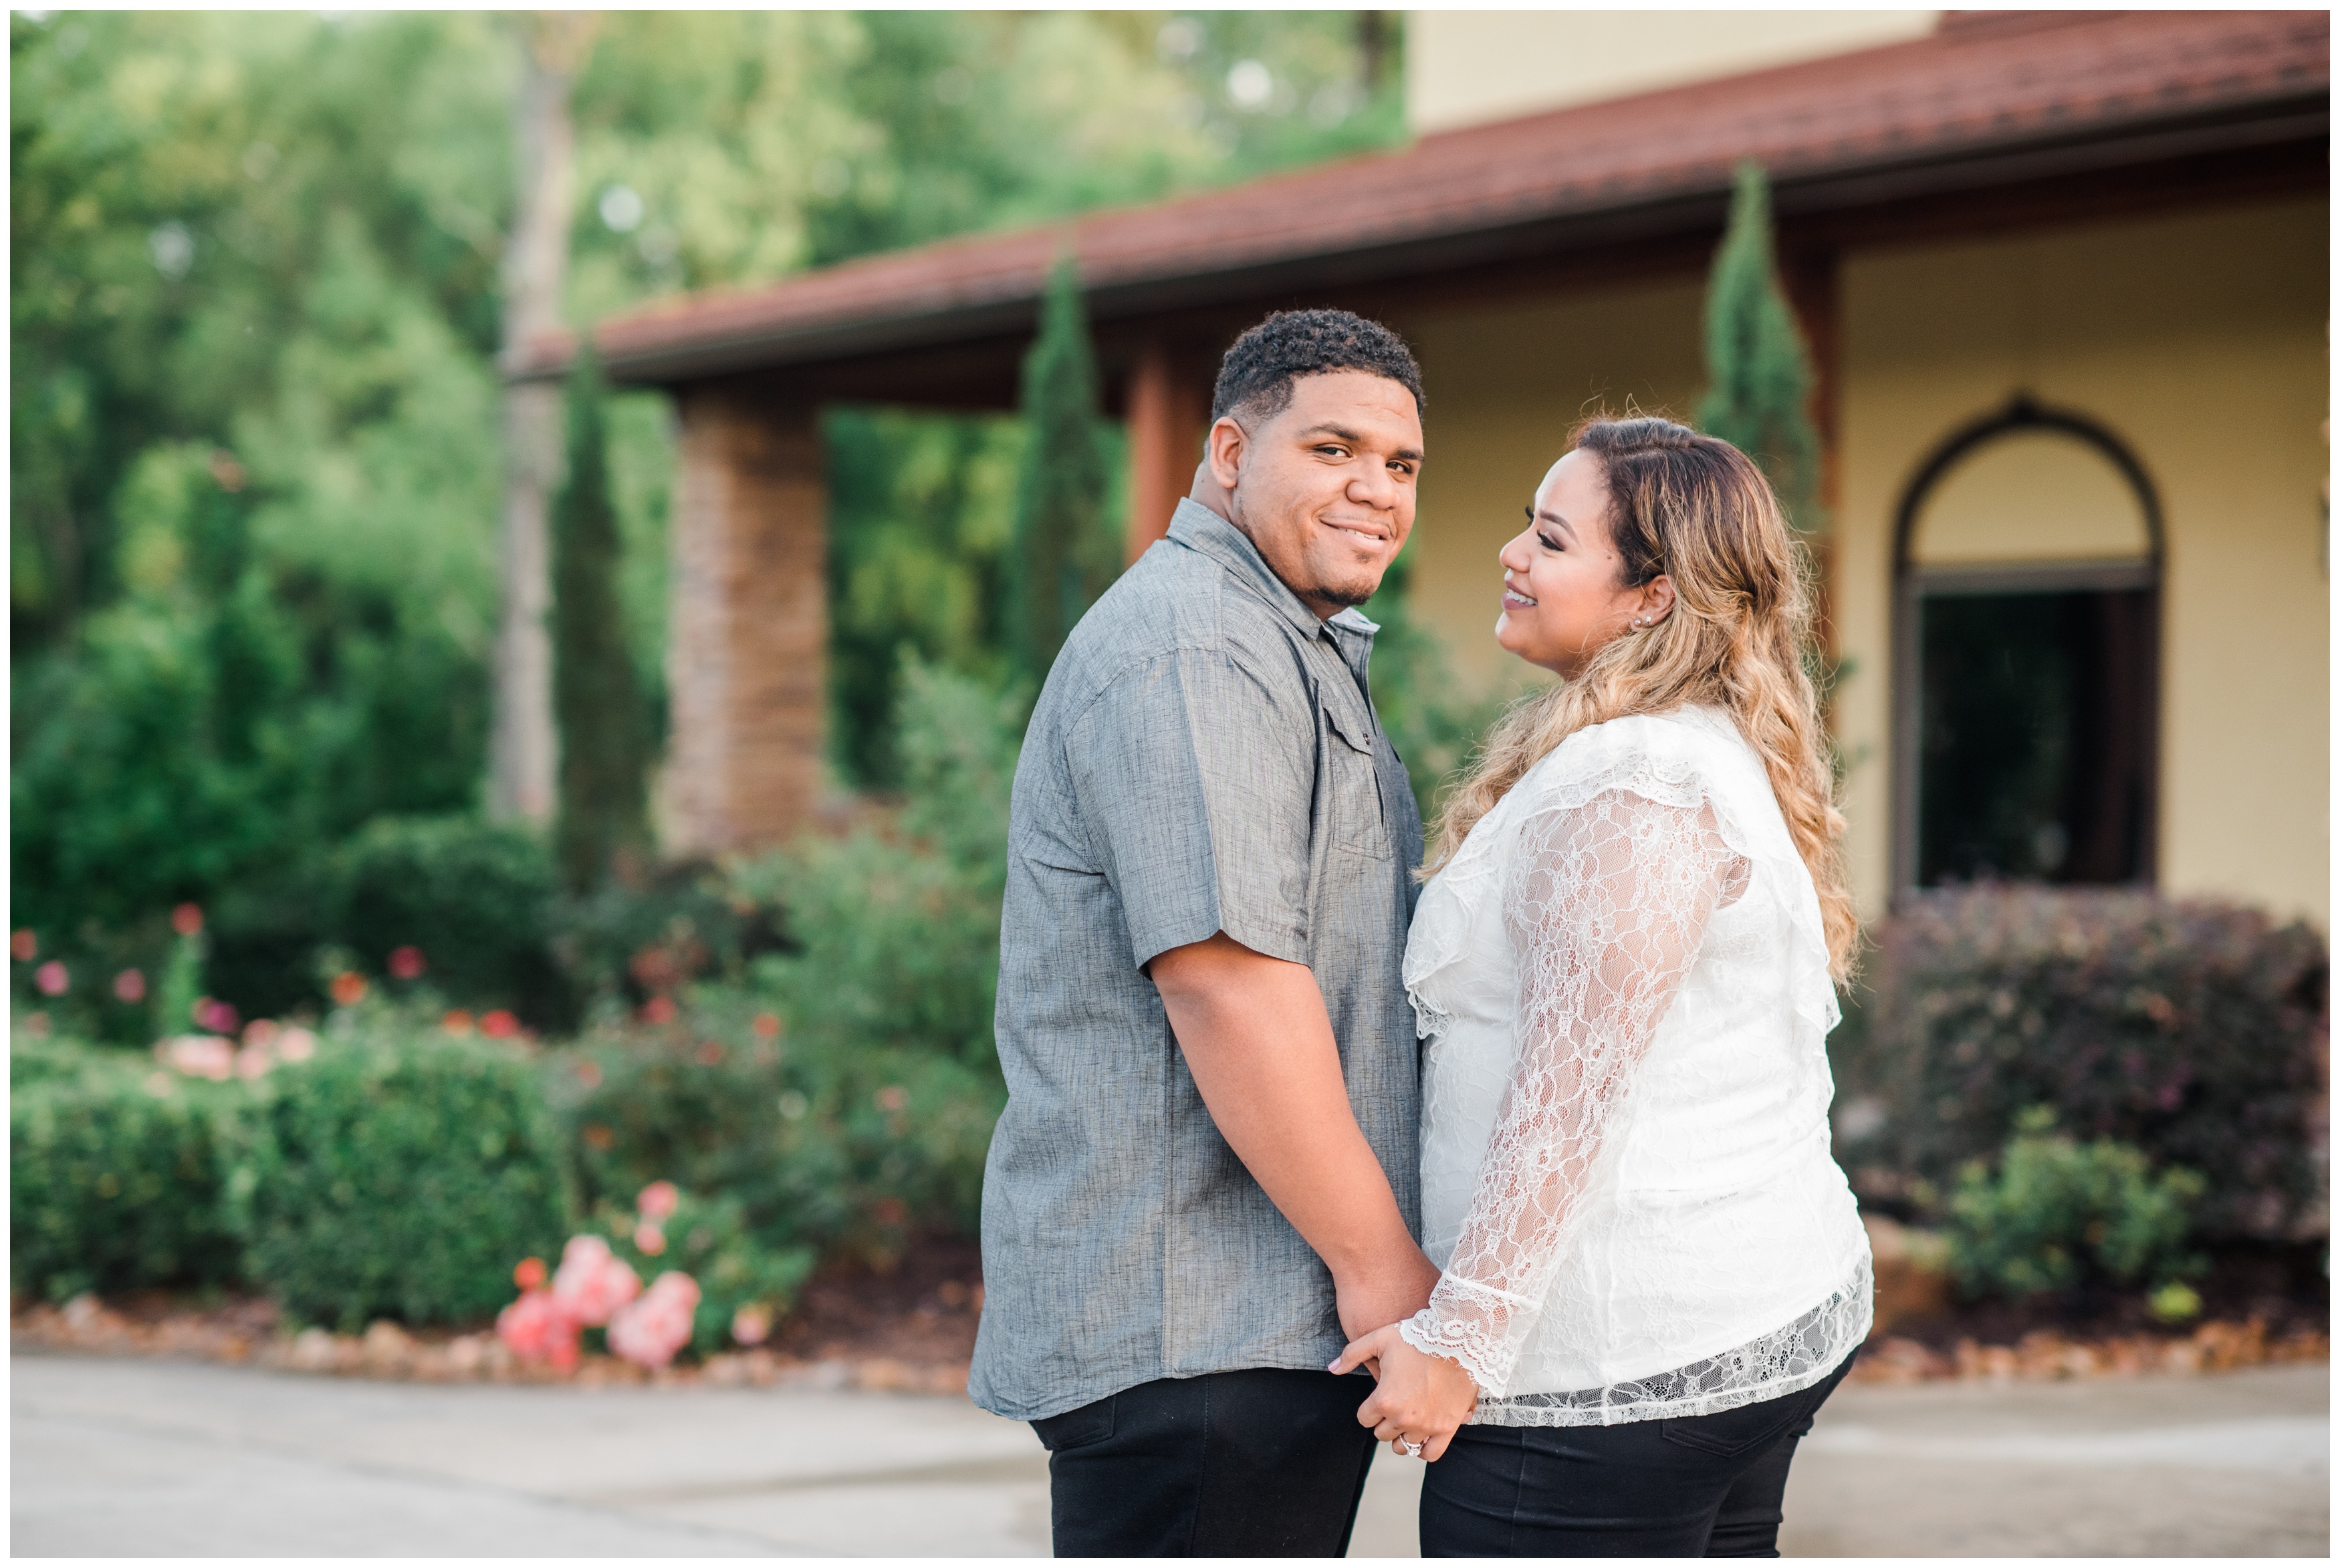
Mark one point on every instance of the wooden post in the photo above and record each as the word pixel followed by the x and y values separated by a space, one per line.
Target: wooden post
pixel 1169 409
pixel 747 639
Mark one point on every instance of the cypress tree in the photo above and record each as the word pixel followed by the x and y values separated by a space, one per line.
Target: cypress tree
pixel 1759 379
pixel 1066 550
pixel 596 702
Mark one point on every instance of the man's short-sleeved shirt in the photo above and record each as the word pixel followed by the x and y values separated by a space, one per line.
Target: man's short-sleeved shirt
pixel 1205 757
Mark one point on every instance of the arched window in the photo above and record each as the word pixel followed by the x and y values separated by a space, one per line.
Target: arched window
pixel 2027 562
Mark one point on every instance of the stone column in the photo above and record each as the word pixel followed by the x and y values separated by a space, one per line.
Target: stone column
pixel 748 632
pixel 1169 409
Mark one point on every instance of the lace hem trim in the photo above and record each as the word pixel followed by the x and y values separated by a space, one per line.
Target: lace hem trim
pixel 1770 1367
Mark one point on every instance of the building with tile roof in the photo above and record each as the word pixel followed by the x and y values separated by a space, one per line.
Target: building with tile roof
pixel 2064 276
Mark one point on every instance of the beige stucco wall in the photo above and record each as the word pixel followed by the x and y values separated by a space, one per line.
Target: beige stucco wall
pixel 1468 67
pixel 2199 339
pixel 1505 384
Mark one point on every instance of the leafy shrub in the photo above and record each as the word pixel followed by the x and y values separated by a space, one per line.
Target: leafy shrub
pixel 2190 1030
pixel 476 897
pixel 2057 1215
pixel 399 1174
pixel 624 945
pixel 114 1174
pixel 888 998
pixel 707 1103
pixel 861 1108
pixel 709 1240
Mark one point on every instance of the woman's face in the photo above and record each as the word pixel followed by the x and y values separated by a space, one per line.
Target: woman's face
pixel 1564 594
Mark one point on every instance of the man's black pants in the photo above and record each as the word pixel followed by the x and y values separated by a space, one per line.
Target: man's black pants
pixel 1700 1486
pixel 1264 1462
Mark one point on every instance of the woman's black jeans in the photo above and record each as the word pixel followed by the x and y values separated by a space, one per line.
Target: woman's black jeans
pixel 1702 1486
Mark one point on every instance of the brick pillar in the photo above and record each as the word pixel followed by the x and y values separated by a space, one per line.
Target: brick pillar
pixel 748 627
pixel 1169 409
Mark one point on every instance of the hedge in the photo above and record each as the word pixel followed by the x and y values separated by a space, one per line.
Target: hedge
pixel 114 1175
pixel 2192 1029
pixel 400 1177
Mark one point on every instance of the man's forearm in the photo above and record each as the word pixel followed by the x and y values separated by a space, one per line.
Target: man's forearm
pixel 1260 1046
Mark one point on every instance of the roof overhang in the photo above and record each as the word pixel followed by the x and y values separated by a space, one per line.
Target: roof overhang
pixel 1992 101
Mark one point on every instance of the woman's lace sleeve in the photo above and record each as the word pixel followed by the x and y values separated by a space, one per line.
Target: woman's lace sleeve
pixel 1606 904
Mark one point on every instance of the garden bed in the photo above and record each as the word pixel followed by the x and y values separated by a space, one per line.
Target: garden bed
pixel 910 1328
pixel 905 1329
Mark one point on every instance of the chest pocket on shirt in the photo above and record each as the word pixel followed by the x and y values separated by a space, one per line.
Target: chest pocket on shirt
pixel 1357 817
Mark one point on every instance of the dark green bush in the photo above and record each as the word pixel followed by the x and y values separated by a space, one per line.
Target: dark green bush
pixel 399 1174
pixel 115 1173
pixel 476 897
pixel 2056 1215
pixel 2190 1030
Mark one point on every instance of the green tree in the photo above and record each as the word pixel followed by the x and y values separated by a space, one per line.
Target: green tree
pixel 597 706
pixel 1759 379
pixel 1068 551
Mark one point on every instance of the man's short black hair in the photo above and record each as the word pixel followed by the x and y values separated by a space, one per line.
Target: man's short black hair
pixel 1257 374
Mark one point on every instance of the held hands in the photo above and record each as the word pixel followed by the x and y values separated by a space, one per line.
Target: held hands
pixel 1393 1289
pixel 1420 1399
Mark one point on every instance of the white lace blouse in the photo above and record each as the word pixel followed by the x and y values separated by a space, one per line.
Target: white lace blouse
pixel 1625 1168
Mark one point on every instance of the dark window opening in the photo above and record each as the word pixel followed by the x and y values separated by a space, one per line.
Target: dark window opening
pixel 2025 682
pixel 2033 757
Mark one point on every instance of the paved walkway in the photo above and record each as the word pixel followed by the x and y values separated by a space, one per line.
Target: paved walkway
pixel 161 1458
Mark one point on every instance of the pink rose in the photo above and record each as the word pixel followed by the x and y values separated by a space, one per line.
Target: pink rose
pixel 650 1331
pixel 591 1283
pixel 52 979
pixel 752 1325
pixel 199 1056
pixel 658 1200
pixel 536 1329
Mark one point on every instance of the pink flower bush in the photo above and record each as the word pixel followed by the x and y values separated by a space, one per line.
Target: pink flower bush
pixel 592 1283
pixel 536 1329
pixel 650 1331
pixel 198 1056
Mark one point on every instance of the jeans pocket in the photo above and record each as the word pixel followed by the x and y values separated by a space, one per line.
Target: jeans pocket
pixel 1730 1433
pixel 1077 1428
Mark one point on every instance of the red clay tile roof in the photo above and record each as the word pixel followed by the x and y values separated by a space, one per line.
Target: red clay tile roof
pixel 1985 84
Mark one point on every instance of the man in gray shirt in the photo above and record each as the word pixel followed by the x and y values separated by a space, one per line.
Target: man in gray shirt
pixel 1204 1182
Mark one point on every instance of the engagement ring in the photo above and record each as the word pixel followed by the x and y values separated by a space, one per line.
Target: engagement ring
pixel 1411 1448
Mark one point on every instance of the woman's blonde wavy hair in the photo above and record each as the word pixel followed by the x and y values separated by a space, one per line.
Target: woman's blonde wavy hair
pixel 1694 509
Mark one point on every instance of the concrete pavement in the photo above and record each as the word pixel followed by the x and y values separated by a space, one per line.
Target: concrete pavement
pixel 152 1457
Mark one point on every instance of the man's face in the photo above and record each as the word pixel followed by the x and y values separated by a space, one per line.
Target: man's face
pixel 1326 488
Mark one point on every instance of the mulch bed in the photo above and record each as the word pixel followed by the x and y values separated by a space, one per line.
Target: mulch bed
pixel 2260 1306
pixel 910 1330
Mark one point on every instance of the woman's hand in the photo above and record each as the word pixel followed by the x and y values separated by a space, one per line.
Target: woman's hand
pixel 1420 1399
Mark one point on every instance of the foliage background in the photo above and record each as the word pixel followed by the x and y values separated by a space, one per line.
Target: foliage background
pixel 252 505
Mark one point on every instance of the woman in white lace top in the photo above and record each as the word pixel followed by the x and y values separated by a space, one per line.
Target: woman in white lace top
pixel 1624 968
